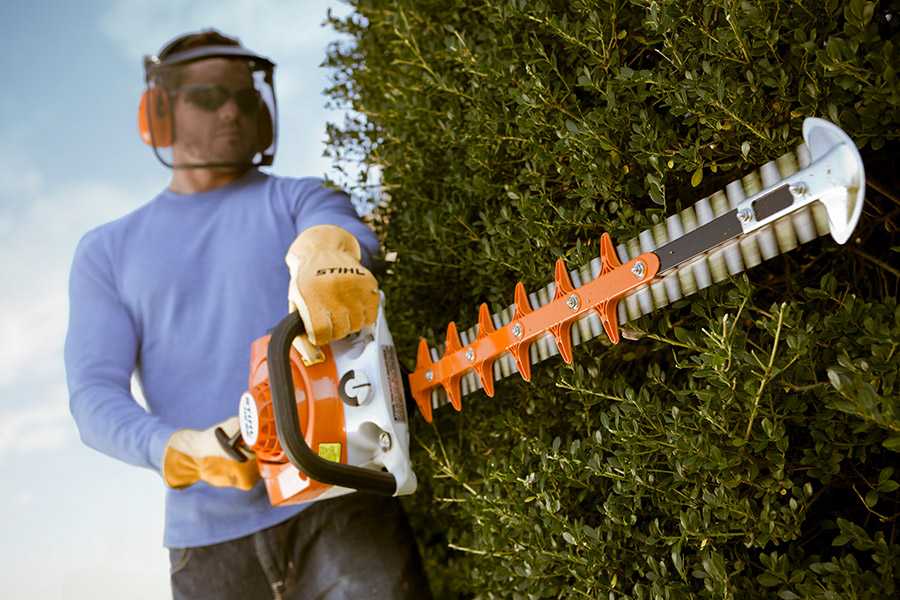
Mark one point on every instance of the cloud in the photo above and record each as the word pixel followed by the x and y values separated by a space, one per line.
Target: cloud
pixel 280 28
pixel 41 225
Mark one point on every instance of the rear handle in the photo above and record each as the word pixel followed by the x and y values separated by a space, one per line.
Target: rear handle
pixel 287 422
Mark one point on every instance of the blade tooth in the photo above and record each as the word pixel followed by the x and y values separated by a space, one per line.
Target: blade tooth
pixel 668 289
pixel 538 350
pixel 785 235
pixel 576 332
pixel 595 267
pixel 497 369
pixel 477 382
pixel 622 313
pixel 658 292
pixel 592 326
pixel 622 253
pixel 646 241
pixel 731 251
pixel 535 300
pixel 435 355
pixel 820 216
pixel 633 300
pixel 699 269
pixel 575 278
pixel 646 295
pixel 550 345
pixel 464 386
pixel 509 365
pixel 645 300
pixel 803 220
pixel 717 267
pixel 768 247
pixel 704 211
pixel 749 246
pixel 543 297
pixel 684 285
pixel 506 316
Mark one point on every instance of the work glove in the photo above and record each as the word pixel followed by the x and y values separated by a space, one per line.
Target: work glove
pixel 192 455
pixel 334 294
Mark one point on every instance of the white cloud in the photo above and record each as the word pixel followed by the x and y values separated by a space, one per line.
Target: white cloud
pixel 43 223
pixel 278 29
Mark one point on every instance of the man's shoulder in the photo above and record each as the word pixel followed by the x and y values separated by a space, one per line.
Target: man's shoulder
pixel 113 231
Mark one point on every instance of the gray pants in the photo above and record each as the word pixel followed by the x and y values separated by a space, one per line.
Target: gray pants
pixel 355 546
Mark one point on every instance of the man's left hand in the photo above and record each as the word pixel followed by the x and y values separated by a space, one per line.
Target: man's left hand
pixel 334 294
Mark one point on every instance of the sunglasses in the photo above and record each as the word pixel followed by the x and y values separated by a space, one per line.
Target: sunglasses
pixel 211 97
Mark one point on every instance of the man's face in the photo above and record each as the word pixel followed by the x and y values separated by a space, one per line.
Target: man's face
pixel 225 134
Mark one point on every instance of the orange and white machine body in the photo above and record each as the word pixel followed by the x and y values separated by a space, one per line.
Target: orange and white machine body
pixel 350 408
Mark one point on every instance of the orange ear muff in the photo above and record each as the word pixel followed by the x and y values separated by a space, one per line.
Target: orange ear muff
pixel 155 118
pixel 264 129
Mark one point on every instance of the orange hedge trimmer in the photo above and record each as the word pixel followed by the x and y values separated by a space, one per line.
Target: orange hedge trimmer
pixel 339 425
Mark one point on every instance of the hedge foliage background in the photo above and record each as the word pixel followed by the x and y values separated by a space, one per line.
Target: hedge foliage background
pixel 746 446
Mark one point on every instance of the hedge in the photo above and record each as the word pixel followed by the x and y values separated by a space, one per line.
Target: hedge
pixel 745 445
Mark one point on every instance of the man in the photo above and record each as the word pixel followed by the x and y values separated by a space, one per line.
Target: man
pixel 178 289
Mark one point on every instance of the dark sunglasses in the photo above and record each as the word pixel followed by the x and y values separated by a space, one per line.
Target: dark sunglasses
pixel 211 97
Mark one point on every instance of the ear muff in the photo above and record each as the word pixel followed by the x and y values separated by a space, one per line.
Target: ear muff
pixel 263 127
pixel 155 118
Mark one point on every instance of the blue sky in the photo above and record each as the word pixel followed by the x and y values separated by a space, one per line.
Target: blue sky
pixel 77 523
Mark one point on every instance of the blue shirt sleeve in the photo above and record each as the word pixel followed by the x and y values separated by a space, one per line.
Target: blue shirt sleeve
pixel 100 355
pixel 318 205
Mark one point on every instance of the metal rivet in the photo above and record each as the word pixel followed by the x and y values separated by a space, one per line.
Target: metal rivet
pixel 517 330
pixel 745 215
pixel 798 189
pixel 638 269
pixel 384 441
pixel 470 354
pixel 572 302
pixel 429 375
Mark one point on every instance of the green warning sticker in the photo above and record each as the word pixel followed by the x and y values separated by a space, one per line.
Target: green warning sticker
pixel 330 452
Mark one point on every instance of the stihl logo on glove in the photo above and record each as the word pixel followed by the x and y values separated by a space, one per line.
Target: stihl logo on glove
pixel 341 270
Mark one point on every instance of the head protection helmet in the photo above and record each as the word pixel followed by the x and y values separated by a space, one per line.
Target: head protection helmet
pixel 156 115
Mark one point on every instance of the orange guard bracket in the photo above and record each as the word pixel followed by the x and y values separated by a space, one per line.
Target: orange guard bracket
pixel 602 294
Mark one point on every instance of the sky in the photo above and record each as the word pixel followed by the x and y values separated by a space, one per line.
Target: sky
pixel 78 523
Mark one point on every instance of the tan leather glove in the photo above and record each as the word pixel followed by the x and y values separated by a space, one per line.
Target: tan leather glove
pixel 191 455
pixel 334 294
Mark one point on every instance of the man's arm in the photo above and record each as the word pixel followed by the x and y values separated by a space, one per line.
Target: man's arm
pixel 100 354
pixel 322 206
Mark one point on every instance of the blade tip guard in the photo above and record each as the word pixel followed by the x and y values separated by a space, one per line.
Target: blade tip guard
pixel 821 137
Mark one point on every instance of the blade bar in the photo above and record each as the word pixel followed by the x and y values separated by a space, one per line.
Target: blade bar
pixel 701 240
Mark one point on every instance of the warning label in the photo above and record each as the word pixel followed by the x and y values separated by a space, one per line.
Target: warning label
pixel 398 402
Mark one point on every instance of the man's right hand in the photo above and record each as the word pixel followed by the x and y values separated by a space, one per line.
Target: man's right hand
pixel 192 455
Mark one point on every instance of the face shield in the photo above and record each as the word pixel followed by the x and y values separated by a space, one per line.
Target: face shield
pixel 207 138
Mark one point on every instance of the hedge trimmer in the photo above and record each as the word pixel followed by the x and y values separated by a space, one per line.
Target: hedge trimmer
pixel 350 406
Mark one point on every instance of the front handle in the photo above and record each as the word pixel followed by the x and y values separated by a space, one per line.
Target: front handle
pixel 287 422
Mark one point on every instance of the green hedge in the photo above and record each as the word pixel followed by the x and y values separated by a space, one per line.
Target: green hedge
pixel 744 446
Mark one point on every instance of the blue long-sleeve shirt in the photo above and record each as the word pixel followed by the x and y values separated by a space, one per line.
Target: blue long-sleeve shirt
pixel 176 291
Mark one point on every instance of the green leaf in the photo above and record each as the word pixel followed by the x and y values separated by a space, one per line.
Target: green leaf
pixel 697 177
pixel 768 580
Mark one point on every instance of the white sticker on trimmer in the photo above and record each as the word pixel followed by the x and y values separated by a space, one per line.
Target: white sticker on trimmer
pixel 291 483
pixel 249 419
